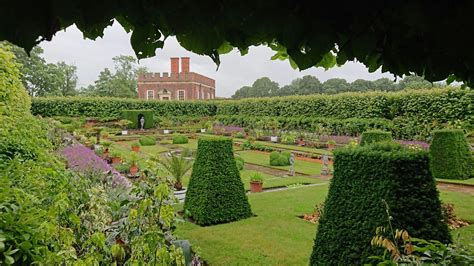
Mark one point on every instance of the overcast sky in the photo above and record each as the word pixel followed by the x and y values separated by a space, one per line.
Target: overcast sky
pixel 235 70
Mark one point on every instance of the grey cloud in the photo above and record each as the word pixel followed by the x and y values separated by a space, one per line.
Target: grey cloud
pixel 234 72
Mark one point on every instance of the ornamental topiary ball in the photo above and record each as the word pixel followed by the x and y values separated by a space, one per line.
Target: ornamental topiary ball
pixel 365 180
pixel 215 193
pixel 147 141
pixel 450 155
pixel 372 136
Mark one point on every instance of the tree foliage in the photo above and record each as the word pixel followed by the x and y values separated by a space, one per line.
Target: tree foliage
pixel 311 85
pixel 45 79
pixel 402 38
pixel 120 83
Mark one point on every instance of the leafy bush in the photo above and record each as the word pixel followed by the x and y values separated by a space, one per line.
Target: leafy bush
pixel 215 192
pixel 147 141
pixel 257 178
pixel 134 116
pixel 373 136
pixel 240 163
pixel 280 158
pixel 239 135
pixel 450 155
pixel 180 139
pixel 288 138
pixel 360 193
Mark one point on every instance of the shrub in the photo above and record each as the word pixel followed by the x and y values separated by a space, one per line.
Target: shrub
pixel 240 163
pixel 256 178
pixel 372 136
pixel 215 192
pixel 358 197
pixel 450 155
pixel 239 135
pixel 147 141
pixel 135 144
pixel 280 158
pixel 134 116
pixel 180 139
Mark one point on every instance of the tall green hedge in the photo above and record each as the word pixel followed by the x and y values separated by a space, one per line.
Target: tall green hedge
pixel 372 136
pixel 408 114
pixel 365 177
pixel 216 193
pixel 133 115
pixel 450 155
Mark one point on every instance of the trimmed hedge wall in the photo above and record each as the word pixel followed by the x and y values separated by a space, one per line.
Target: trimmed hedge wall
pixel 354 208
pixel 373 136
pixel 215 192
pixel 112 107
pixel 408 114
pixel 133 115
pixel 450 155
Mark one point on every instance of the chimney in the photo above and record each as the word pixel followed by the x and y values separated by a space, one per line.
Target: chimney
pixel 174 65
pixel 184 64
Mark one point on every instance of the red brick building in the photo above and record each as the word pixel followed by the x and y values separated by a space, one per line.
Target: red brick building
pixel 184 85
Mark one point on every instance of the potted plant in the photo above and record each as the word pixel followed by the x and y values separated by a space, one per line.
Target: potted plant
pixel 177 166
pixel 331 144
pixel 136 146
pixel 256 183
pixel 115 156
pixel 166 124
pixel 300 139
pixel 124 124
pixel 133 161
pixel 106 145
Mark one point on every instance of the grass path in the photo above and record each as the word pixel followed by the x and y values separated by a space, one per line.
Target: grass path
pixel 276 236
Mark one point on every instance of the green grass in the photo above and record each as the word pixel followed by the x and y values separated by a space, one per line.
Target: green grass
pixel 276 236
pixel 292 147
pixel 469 181
pixel 309 168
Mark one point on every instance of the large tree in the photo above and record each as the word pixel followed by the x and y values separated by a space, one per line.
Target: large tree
pixel 262 87
pixel 120 83
pixel 45 79
pixel 335 85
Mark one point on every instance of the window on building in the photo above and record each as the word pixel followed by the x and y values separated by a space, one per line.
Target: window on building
pixel 198 94
pixel 150 94
pixel 165 98
pixel 181 95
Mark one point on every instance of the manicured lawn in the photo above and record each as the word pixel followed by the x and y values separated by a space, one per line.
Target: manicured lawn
pixel 276 236
pixel 469 181
pixel 309 168
pixel 275 181
pixel 269 180
pixel 292 147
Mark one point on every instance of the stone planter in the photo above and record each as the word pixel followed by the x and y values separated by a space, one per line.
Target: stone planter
pixel 203 130
pixel 274 139
pixel 124 132
pixel 256 187
pixel 180 194
pixel 136 148
pixel 166 131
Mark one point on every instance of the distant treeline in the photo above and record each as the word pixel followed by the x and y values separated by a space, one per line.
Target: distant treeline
pixel 265 87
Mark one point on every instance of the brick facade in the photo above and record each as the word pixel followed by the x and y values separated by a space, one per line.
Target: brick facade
pixel 184 85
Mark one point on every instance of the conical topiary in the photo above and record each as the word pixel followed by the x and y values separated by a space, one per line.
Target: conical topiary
pixel 216 193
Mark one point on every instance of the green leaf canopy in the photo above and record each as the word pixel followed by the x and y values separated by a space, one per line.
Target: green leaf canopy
pixel 429 38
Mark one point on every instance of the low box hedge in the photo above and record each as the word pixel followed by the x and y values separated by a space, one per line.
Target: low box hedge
pixel 147 141
pixel 372 136
pixel 366 178
pixel 215 193
pixel 180 139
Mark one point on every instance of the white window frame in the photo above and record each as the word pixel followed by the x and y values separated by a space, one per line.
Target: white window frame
pixel 148 96
pixel 184 95
pixel 198 94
